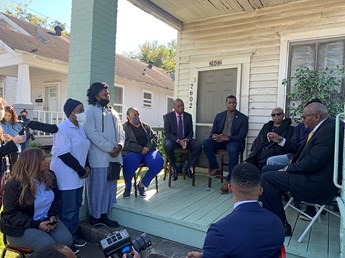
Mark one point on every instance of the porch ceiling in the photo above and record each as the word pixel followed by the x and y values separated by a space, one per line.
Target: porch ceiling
pixel 178 12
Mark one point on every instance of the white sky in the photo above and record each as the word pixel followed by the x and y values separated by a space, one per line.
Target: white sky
pixel 134 27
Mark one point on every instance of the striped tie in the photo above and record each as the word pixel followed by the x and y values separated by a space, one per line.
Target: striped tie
pixel 310 135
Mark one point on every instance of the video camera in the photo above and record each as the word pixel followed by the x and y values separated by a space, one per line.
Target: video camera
pixel 119 243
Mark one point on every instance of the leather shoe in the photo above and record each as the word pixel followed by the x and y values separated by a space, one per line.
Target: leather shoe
pixel 224 189
pixel 188 172
pixel 213 172
pixel 175 174
pixel 287 229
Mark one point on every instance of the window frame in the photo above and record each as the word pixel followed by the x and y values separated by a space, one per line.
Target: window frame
pixel 120 105
pixel 145 99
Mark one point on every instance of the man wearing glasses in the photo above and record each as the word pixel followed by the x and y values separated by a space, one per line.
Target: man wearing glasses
pixel 262 147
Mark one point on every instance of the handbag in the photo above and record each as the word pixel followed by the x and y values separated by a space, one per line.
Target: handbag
pixel 114 171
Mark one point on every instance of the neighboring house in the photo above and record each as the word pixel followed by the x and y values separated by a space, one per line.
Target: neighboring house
pixel 34 75
pixel 247 48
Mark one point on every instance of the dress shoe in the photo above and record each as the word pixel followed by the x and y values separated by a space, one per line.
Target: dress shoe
pixel 109 222
pixel 188 172
pixel 175 174
pixel 213 172
pixel 287 229
pixel 93 221
pixel 224 189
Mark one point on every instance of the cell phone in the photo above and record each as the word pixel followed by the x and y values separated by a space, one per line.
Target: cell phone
pixel 52 223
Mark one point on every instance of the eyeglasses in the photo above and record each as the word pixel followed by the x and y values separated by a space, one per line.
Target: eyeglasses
pixel 305 116
pixel 277 114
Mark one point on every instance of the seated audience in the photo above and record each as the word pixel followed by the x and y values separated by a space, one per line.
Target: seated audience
pixel 30 208
pixel 229 132
pixel 178 131
pixel 69 158
pixel 262 148
pixel 309 177
pixel 140 147
pixel 54 251
pixel 250 230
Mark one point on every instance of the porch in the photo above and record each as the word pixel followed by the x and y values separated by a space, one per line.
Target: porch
pixel 183 213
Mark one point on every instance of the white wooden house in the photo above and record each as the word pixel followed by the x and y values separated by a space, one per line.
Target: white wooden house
pixel 246 48
pixel 34 75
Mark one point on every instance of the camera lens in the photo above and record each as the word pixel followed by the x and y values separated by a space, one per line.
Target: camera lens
pixel 141 242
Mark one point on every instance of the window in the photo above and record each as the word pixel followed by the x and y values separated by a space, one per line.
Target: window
pixel 147 99
pixel 118 104
pixel 316 55
pixel 170 101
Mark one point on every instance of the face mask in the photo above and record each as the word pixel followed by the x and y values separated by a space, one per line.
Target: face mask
pixel 2 114
pixel 135 120
pixel 80 118
pixel 103 102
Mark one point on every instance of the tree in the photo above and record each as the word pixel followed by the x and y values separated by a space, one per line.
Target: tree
pixel 162 56
pixel 325 85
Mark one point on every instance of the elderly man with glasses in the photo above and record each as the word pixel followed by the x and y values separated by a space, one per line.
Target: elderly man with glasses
pixel 262 147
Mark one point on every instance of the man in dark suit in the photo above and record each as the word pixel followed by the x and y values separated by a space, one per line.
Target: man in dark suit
pixel 309 177
pixel 178 130
pixel 229 132
pixel 250 230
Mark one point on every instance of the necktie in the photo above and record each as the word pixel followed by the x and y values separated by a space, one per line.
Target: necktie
pixel 310 135
pixel 180 128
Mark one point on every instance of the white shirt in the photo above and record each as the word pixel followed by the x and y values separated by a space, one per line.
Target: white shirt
pixel 72 139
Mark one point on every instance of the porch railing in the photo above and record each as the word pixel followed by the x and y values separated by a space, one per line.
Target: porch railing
pixel 49 117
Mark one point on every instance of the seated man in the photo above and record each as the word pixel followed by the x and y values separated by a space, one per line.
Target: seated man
pixel 262 148
pixel 229 132
pixel 178 131
pixel 140 147
pixel 250 230
pixel 309 177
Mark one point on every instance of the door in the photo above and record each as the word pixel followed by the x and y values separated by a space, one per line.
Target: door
pixel 213 88
pixel 50 103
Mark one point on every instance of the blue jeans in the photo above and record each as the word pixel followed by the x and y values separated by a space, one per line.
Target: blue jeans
pixel 234 148
pixel 70 203
pixel 278 160
pixel 131 161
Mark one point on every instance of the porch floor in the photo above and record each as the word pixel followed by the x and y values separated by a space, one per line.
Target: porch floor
pixel 183 214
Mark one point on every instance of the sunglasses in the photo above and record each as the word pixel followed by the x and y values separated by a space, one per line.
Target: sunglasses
pixel 277 114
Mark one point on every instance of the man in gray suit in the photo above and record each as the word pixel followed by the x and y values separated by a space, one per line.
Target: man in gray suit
pixel 178 130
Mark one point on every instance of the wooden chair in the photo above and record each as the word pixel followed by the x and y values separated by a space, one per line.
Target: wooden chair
pixel 223 153
pixel 319 209
pixel 137 174
pixel 184 154
pixel 21 251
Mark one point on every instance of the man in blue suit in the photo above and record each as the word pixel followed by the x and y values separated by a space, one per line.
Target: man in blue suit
pixel 250 230
pixel 229 132
pixel 178 130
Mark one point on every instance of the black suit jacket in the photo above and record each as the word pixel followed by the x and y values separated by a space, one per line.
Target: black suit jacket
pixel 311 170
pixel 239 127
pixel 170 126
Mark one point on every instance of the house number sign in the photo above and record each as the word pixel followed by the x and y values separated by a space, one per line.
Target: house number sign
pixel 191 92
pixel 215 63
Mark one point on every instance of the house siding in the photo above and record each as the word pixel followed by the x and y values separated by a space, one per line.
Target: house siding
pixel 259 33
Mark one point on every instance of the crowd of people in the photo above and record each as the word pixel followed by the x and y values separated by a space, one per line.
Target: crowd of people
pixel 42 199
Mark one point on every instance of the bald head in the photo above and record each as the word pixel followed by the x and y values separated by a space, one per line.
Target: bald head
pixel 316 108
pixel 178 106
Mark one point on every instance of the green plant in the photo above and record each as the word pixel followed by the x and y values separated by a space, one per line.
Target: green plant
pixel 325 85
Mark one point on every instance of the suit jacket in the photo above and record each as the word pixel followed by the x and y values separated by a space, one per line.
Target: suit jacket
pixel 171 129
pixel 239 127
pixel 249 231
pixel 311 170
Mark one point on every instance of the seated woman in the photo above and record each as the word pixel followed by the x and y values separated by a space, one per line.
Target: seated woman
pixel 30 208
pixel 262 148
pixel 140 147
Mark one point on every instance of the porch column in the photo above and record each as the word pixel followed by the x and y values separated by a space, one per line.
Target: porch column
pixel 23 92
pixel 92 47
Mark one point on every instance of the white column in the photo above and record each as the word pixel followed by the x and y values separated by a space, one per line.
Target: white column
pixel 23 94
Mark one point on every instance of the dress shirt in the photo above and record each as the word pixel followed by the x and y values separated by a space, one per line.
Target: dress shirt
pixel 43 200
pixel 241 202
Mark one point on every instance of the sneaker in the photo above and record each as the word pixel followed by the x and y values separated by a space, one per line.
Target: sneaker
pixel 74 249
pixel 79 242
pixel 127 193
pixel 141 191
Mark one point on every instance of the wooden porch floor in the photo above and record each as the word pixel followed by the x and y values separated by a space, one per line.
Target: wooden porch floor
pixel 183 214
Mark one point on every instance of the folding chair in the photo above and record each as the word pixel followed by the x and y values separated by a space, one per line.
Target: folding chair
pixel 319 209
pixel 21 251
pixel 137 174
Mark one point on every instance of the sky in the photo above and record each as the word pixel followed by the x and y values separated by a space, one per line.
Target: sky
pixel 134 27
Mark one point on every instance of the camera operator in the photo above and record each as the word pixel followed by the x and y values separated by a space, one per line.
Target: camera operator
pixel 250 230
pixel 23 118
